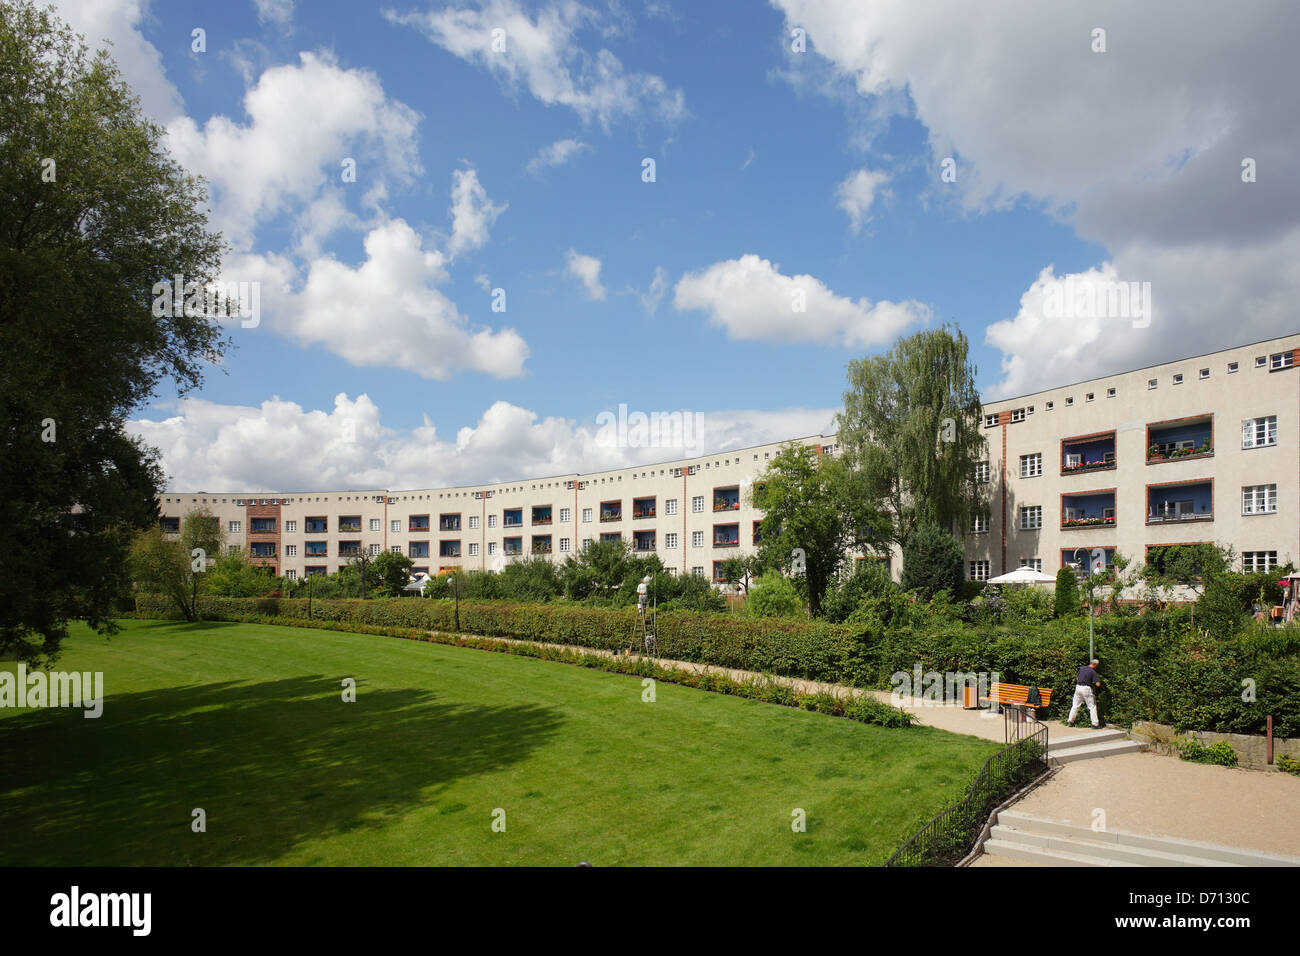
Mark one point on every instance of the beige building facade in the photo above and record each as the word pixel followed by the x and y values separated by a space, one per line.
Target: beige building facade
pixel 1199 449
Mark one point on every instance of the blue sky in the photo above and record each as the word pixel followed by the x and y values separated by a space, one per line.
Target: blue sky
pixel 775 170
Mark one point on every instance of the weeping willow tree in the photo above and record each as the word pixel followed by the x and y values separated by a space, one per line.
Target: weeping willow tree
pixel 911 428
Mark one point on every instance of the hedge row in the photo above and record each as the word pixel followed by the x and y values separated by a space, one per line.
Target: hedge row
pixel 795 648
pixel 867 710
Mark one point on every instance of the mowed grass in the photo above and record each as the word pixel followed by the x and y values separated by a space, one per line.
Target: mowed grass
pixel 248 723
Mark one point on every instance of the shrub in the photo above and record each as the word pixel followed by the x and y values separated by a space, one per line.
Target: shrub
pixel 1288 764
pixel 1067 593
pixel 1219 608
pixel 774 595
pixel 870 578
pixel 1220 754
pixel 932 561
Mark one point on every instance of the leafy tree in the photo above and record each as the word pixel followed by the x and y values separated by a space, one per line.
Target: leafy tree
pixel 869 578
pixel 1186 566
pixel 93 213
pixel 910 425
pixel 815 511
pixel 1220 605
pixel 740 571
pixel 532 579
pixel 234 575
pixel 175 566
pixel 1067 593
pixel 774 595
pixel 394 572
pixel 598 570
pixel 932 561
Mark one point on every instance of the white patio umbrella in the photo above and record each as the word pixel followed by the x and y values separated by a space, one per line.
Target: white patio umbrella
pixel 417 583
pixel 1023 576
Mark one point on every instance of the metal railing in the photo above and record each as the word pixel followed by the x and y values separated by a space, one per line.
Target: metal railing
pixel 949 836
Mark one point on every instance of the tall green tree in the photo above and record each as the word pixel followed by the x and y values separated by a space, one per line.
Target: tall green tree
pixel 175 565
pixel 93 213
pixel 932 561
pixel 394 572
pixel 910 425
pixel 815 511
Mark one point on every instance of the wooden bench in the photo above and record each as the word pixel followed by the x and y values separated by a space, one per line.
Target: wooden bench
pixel 1017 696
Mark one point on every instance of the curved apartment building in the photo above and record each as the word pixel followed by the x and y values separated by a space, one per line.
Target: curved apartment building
pixel 1199 449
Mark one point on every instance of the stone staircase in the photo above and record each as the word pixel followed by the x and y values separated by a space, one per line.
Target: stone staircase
pixel 1048 843
pixel 1089 746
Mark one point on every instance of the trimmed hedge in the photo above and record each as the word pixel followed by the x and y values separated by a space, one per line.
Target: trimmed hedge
pixel 867 710
pixel 793 647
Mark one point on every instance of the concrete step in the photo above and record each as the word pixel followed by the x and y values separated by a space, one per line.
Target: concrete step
pixel 1117 847
pixel 1036 854
pixel 1091 751
pixel 1092 737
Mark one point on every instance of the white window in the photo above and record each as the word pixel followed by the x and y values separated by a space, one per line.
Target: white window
pixel 1260 361
pixel 1152 382
pixel 1110 393
pixel 1035 563
pixel 291 574
pixel 979 570
pixel 1232 367
pixel 586 515
pixel 1259 432
pixel 1073 459
pixel 586 542
pixel 235 526
pixel 566 515
pixel 1031 465
pixel 492 547
pixel 396 548
pixel 291 551
pixel 981 524
pixel 1051 405
pixel 670 506
pixel 1205 373
pixel 232 549
pixel 1017 414
pixel 1259 499
pixel 492 521
pixel 697 539
pixel 1178 378
pixel 1090 396
pixel 376 524
pixel 670 539
pixel 1031 517
pixel 697 503
pixel 290 526
pixel 981 471
pixel 473 549
pixel 395 526
pixel 564 545
pixel 698 572
pixel 1258 561
pixel 374 549
pixel 1280 360
pixel 473 522
pixel 991 421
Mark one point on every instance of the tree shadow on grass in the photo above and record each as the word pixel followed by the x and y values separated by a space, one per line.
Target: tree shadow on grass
pixel 273 764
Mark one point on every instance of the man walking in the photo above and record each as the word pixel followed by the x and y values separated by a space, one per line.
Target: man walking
pixel 1085 691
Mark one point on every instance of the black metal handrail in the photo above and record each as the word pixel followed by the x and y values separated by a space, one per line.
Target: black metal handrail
pixel 950 835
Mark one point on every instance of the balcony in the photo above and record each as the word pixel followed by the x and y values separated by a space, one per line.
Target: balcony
pixel 171 525
pixel 512 547
pixel 261 549
pixel 350 525
pixel 449 523
pixel 316 526
pixel 418 524
pixel 612 537
pixel 1180 502
pixel 726 499
pixel 316 549
pixel 1090 510
pixel 643 507
pixel 418 549
pixel 449 549
pixel 1180 439
pixel 643 541
pixel 512 517
pixel 349 549
pixel 541 544
pixel 542 515
pixel 1088 453
pixel 1089 560
pixel 261 526
pixel 726 535
pixel 611 511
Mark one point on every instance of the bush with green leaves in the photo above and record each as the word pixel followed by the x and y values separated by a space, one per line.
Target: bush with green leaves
pixel 1288 764
pixel 1220 753
pixel 869 578
pixel 774 595
pixel 1067 593
pixel 932 561
pixel 1219 608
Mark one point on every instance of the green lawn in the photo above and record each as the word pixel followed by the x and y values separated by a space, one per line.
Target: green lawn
pixel 248 722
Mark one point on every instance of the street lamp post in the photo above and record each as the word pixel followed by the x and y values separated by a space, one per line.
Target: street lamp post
pixel 1089 572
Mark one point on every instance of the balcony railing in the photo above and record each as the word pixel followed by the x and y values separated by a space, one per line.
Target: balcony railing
pixel 725 504
pixel 1169 451
pixel 541 549
pixel 512 552
pixel 537 521
pixel 611 516
pixel 1172 518
pixel 726 542
pixel 350 528
pixel 420 528
pixel 449 526
pixel 1088 466
pixel 646 513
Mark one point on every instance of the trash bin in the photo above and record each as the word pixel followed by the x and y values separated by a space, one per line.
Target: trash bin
pixel 970 697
